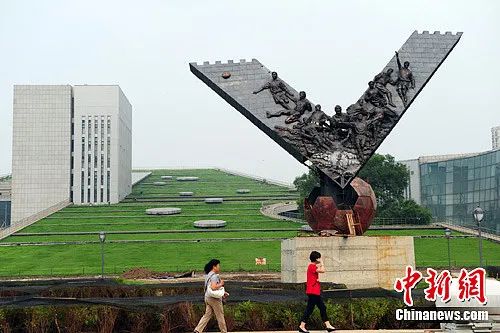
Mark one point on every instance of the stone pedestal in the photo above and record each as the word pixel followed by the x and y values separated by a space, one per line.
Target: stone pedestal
pixel 357 262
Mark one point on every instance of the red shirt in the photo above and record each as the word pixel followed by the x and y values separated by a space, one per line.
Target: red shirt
pixel 312 285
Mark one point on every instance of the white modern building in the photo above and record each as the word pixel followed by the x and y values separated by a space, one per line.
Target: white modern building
pixel 413 189
pixel 41 151
pixel 70 145
pixel 102 145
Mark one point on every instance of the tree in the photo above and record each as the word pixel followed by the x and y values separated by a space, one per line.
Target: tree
pixel 305 184
pixel 387 178
pixel 408 211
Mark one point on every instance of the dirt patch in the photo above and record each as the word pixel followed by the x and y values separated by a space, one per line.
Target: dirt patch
pixel 148 276
pixel 141 273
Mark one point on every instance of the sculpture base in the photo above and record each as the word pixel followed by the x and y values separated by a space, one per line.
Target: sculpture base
pixel 358 262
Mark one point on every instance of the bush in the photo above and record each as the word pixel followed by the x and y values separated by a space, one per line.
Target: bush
pixel 361 313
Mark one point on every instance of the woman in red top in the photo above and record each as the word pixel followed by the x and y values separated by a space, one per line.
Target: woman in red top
pixel 313 291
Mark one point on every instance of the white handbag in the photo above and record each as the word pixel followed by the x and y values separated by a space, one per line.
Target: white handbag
pixel 219 293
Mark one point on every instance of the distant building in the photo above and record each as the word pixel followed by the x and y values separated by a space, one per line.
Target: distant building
pixel 495 137
pixel 413 189
pixel 70 145
pixel 4 213
pixel 451 186
pixel 5 188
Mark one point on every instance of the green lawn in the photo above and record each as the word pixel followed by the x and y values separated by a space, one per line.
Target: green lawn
pixel 189 249
pixel 78 259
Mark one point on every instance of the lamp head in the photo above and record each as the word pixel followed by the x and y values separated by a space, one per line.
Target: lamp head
pixel 478 214
pixel 447 232
pixel 102 236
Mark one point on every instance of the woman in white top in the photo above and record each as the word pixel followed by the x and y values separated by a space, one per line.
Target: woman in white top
pixel 213 305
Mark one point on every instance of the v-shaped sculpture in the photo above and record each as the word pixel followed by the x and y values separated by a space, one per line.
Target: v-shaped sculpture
pixel 340 144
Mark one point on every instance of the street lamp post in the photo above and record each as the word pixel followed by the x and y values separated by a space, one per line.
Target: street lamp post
pixel 102 238
pixel 447 233
pixel 478 217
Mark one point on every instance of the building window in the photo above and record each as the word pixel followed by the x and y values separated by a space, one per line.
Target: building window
pixel 108 185
pixel 95 185
pixel 109 151
pixel 82 185
pixel 83 153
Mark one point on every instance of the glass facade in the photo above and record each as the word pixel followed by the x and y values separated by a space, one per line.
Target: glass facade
pixel 4 214
pixel 451 189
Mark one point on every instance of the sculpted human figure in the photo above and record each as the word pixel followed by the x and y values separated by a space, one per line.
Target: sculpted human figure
pixel 358 107
pixel 361 130
pixel 405 80
pixel 317 118
pixel 339 122
pixel 338 117
pixel 381 80
pixel 374 96
pixel 314 126
pixel 302 105
pixel 278 90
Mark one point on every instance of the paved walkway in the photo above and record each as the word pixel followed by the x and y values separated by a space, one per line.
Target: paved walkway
pixel 465 230
pixel 138 176
pixel 355 331
pixel 274 210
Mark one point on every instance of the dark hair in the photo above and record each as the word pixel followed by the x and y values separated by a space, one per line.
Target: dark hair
pixel 210 265
pixel 315 255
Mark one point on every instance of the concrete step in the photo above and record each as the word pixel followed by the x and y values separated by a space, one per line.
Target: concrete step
pixel 364 331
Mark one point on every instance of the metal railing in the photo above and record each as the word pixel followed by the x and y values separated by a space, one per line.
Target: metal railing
pixel 471 226
pixel 293 215
pixel 377 221
pixel 114 270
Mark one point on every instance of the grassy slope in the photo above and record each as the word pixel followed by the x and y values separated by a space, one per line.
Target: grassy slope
pixel 129 216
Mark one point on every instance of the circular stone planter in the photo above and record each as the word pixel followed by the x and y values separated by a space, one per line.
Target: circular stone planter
pixel 159 183
pixel 166 177
pixel 187 179
pixel 214 200
pixel 306 228
pixel 186 194
pixel 163 211
pixel 243 191
pixel 209 224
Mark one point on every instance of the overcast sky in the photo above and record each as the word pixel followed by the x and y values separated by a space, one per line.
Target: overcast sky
pixel 330 49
